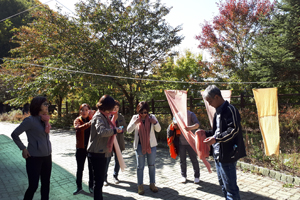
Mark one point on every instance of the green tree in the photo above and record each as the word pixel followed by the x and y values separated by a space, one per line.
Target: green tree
pixel 276 56
pixel 7 9
pixel 50 42
pixel 135 36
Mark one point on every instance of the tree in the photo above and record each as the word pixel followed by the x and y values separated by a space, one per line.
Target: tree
pixel 135 36
pixel 230 36
pixel 7 9
pixel 276 56
pixel 50 41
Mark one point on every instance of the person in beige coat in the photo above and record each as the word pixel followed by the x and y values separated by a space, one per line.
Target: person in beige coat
pixel 144 124
pixel 121 123
pixel 102 132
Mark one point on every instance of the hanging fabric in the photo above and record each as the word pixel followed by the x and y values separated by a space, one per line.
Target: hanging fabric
pixel 267 110
pixel 177 100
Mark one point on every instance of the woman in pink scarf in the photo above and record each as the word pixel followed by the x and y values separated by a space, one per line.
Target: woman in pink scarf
pixel 144 125
pixel 38 152
pixel 103 131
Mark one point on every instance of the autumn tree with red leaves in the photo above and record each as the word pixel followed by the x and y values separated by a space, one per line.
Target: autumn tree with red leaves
pixel 230 36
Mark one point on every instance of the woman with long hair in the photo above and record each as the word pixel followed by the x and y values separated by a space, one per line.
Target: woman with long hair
pixel 38 152
pixel 144 124
pixel 82 125
pixel 100 145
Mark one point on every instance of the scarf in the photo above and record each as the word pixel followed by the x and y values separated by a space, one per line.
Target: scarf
pixel 112 123
pixel 46 118
pixel 178 132
pixel 144 134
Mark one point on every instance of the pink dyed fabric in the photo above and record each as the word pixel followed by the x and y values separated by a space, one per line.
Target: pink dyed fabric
pixel 46 118
pixel 226 94
pixel 177 100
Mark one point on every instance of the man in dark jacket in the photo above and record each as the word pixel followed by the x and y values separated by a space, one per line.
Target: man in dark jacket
pixel 226 139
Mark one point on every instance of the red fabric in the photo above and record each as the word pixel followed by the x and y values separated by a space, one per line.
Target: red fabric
pixel 202 148
pixel 177 101
pixel 144 134
pixel 110 142
pixel 173 153
pixel 46 118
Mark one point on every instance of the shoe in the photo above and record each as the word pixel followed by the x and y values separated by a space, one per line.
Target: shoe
pixel 183 180
pixel 116 180
pixel 141 189
pixel 91 190
pixel 77 191
pixel 196 181
pixel 105 183
pixel 153 188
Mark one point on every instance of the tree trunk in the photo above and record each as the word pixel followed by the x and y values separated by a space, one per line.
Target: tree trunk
pixel 59 105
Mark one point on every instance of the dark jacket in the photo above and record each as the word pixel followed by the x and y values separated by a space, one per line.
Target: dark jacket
pixel 232 146
pixel 39 144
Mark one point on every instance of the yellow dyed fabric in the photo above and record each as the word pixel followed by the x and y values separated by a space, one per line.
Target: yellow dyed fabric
pixel 267 109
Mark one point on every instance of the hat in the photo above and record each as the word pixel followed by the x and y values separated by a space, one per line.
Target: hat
pixel 174 120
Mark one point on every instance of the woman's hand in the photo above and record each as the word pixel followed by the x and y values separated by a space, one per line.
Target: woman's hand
pixel 153 121
pixel 25 153
pixel 138 120
pixel 119 130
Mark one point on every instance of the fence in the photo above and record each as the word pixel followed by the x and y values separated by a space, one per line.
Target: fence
pixel 241 101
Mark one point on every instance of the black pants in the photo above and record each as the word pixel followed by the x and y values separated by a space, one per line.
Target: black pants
pixel 193 156
pixel 37 167
pixel 98 161
pixel 81 155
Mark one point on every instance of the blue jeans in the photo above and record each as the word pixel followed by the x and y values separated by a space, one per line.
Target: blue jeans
pixel 227 179
pixel 116 169
pixel 140 158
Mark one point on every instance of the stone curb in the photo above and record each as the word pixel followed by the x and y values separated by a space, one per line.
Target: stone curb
pixel 270 173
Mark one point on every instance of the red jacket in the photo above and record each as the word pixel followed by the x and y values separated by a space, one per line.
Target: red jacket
pixel 80 131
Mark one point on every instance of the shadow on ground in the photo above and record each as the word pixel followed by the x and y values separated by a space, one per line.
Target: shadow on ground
pixel 13 177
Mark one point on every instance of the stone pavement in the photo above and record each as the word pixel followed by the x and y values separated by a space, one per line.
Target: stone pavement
pixel 13 178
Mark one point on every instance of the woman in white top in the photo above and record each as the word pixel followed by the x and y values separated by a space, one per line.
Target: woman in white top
pixel 144 124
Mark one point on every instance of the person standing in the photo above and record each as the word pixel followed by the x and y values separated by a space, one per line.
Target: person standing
pixel 184 147
pixel 100 143
pixel 144 124
pixel 120 122
pixel 226 139
pixel 38 152
pixel 82 125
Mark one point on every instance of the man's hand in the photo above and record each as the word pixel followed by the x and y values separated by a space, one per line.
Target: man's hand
pixel 119 130
pixel 25 153
pixel 188 128
pixel 209 141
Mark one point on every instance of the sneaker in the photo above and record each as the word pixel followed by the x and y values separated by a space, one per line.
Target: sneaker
pixel 196 180
pixel 183 180
pixel 77 191
pixel 116 180
pixel 105 183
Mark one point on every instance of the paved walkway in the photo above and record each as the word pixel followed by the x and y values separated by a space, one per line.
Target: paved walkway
pixel 13 178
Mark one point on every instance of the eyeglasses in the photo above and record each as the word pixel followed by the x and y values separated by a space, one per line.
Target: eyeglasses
pixel 46 104
pixel 143 112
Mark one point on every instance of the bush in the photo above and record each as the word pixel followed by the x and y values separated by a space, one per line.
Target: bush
pixel 14 116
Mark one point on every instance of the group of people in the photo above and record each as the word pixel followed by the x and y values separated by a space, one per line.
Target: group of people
pixel 97 130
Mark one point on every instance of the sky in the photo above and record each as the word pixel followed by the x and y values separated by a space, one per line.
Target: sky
pixel 188 13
